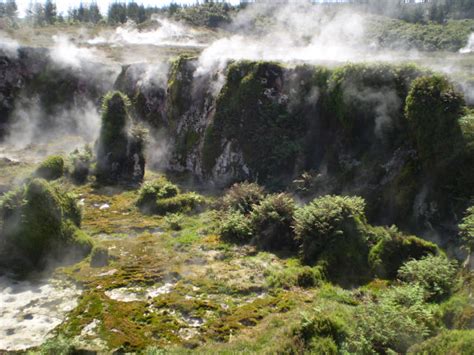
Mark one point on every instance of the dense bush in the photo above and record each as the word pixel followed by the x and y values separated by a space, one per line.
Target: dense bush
pixel 152 190
pixel 242 197
pixel 39 221
pixel 51 168
pixel 272 221
pixel 332 231
pixel 235 227
pixel 398 319
pixel 435 274
pixel 185 202
pixel 394 249
pixel 458 311
pixel 162 197
pixel 450 342
pixel 120 155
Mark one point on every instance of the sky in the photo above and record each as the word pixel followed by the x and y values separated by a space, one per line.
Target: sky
pixel 64 5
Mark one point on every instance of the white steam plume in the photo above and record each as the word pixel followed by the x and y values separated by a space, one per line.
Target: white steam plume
pixel 168 33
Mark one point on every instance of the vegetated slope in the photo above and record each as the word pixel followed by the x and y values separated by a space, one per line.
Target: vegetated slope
pixel 398 135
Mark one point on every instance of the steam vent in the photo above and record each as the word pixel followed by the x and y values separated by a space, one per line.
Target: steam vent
pixel 237 177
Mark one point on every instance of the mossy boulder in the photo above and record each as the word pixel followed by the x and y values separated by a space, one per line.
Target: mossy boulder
pixel 120 152
pixel 51 168
pixel 394 249
pixel 39 222
pixel 99 257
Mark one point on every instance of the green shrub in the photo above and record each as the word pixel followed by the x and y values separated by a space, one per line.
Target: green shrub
pixel 292 276
pixel 235 227
pixel 458 312
pixel 321 333
pixel 39 221
pixel 186 202
pixel 394 249
pixel 51 168
pixel 272 221
pixel 435 274
pixel 242 197
pixel 174 221
pixel 398 319
pixel 332 231
pixel 450 342
pixel 151 191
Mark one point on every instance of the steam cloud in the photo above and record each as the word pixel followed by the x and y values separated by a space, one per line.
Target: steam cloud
pixel 168 33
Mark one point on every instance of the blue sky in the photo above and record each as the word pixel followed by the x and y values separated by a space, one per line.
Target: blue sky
pixel 64 5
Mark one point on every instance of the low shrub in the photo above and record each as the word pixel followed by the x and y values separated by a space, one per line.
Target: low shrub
pixel 392 251
pixel 458 312
pixel 435 274
pixel 332 232
pixel 153 190
pixel 272 221
pixel 235 227
pixel 242 197
pixel 300 276
pixel 51 168
pixel 174 221
pixel 392 323
pixel 450 342
pixel 186 202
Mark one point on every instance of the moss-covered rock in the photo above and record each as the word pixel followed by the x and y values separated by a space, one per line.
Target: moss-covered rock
pixel 120 154
pixel 433 108
pixel 40 222
pixel 394 249
pixel 51 168
pixel 99 257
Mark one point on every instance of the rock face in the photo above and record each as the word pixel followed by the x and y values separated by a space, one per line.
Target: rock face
pixel 120 157
pixel 345 130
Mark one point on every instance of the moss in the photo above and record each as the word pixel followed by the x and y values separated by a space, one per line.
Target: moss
pixel 39 221
pixel 449 342
pixel 52 168
pixel 179 88
pixel 392 251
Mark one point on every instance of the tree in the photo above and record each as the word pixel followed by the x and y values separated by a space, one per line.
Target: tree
pixel 50 13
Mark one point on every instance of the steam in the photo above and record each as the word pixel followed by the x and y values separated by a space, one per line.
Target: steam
pixel 9 46
pixel 470 45
pixel 168 33
pixel 67 55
